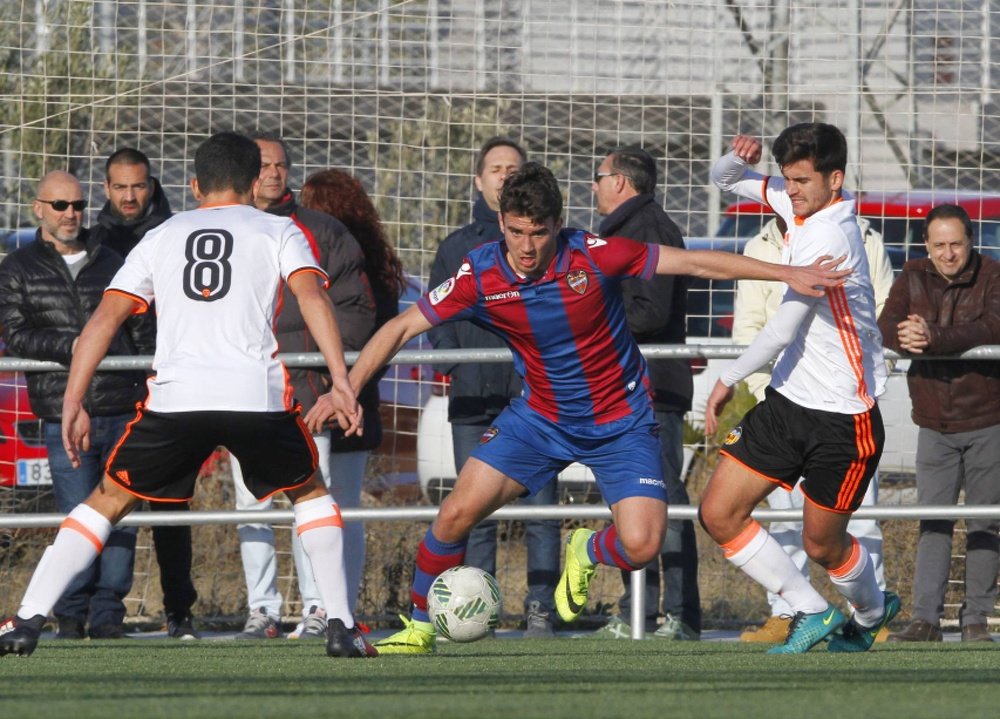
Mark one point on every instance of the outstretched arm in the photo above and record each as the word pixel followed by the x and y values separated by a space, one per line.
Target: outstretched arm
pixel 318 313
pixel 709 264
pixel 380 349
pixel 88 352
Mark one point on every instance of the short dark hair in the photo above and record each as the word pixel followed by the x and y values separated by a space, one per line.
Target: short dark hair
pixel 127 156
pixel 949 212
pixel 824 144
pixel 637 165
pixel 272 137
pixel 492 144
pixel 532 192
pixel 227 161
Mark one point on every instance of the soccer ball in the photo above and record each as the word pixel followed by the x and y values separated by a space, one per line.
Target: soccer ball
pixel 464 604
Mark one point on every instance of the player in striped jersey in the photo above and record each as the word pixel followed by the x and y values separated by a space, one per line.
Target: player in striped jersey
pixel 819 419
pixel 216 274
pixel 554 296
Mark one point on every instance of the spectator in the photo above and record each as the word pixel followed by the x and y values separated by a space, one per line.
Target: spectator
pixel 217 273
pixel 340 195
pixel 945 304
pixel 656 313
pixel 136 204
pixel 756 302
pixel 338 253
pixel 48 290
pixel 478 392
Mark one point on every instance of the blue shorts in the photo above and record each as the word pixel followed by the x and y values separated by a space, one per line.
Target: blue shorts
pixel 624 455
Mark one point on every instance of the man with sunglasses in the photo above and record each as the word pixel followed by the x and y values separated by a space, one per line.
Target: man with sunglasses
pixel 48 290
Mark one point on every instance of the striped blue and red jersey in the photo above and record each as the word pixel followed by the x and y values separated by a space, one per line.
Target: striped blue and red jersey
pixel 567 329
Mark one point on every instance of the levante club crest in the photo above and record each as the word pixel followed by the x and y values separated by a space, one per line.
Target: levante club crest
pixel 578 281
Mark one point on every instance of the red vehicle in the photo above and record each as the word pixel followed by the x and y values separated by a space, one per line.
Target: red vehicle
pixel 898 216
pixel 23 460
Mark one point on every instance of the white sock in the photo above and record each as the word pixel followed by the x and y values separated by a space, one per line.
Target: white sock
pixel 80 539
pixel 855 580
pixel 760 556
pixel 320 529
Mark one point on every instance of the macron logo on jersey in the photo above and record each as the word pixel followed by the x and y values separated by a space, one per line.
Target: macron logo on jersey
pixel 508 295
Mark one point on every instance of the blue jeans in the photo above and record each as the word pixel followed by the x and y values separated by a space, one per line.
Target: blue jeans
pixel 541 537
pixel 98 592
pixel 679 558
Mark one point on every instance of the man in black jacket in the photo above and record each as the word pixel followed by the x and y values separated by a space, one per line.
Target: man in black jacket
pixel 48 290
pixel 136 204
pixel 342 460
pixel 623 189
pixel 479 392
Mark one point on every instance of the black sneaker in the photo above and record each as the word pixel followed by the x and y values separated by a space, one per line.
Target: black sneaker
pixel 108 630
pixel 70 629
pixel 347 643
pixel 20 636
pixel 181 626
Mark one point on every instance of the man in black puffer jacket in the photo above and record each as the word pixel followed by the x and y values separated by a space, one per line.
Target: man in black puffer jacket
pixel 136 204
pixel 48 290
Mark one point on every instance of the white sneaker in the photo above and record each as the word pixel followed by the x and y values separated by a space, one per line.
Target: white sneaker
pixel 312 626
pixel 260 625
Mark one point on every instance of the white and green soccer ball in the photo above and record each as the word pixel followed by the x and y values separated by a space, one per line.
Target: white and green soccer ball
pixel 464 604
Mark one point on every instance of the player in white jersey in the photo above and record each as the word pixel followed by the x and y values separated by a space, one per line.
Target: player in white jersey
pixel 819 419
pixel 215 274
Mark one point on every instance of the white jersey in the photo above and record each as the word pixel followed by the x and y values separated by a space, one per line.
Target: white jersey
pixel 831 348
pixel 216 274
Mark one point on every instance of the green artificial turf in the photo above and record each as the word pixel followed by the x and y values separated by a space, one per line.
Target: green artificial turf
pixel 502 678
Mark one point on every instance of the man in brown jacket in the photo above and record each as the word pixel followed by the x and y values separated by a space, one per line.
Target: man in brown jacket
pixel 945 304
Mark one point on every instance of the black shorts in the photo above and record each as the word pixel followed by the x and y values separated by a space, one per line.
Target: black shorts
pixel 835 454
pixel 160 453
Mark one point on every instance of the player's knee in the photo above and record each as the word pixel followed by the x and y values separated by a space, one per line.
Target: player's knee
pixel 455 520
pixel 716 522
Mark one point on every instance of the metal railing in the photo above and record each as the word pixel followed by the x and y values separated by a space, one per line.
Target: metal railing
pixel 396 514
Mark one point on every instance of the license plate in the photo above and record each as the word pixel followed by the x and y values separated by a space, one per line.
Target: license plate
pixel 33 473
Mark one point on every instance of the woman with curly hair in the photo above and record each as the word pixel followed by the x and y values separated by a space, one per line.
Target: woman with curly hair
pixel 340 194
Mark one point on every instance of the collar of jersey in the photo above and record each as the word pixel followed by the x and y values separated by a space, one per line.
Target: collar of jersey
pixel 559 264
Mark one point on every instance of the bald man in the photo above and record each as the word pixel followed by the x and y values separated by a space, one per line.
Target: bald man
pixel 48 290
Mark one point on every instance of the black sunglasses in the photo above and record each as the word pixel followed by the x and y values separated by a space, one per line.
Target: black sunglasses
pixel 62 205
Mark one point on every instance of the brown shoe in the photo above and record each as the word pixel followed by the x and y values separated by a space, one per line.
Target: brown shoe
pixel 918 631
pixel 976 633
pixel 773 631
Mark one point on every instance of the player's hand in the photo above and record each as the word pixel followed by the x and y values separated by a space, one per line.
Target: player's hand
pixel 717 401
pixel 813 280
pixel 339 405
pixel 75 431
pixel 747 148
